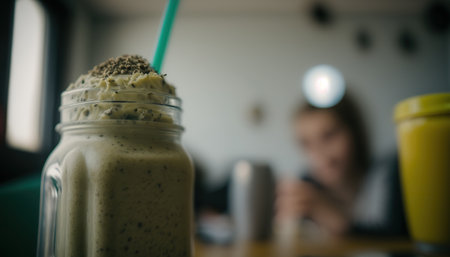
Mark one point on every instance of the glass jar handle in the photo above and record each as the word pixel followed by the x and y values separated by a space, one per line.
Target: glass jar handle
pixel 50 195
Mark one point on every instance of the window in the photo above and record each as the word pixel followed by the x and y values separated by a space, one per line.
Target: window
pixel 24 110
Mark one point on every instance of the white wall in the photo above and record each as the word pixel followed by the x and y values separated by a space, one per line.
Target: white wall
pixel 78 56
pixel 222 65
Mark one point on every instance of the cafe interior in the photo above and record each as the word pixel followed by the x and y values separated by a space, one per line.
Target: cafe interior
pixel 299 128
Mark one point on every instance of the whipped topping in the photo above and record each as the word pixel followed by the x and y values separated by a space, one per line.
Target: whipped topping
pixel 124 88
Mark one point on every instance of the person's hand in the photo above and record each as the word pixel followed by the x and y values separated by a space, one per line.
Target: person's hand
pixel 296 199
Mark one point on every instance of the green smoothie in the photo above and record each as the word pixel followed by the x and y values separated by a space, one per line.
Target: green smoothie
pixel 124 180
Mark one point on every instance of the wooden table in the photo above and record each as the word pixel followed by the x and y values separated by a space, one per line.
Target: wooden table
pixel 306 247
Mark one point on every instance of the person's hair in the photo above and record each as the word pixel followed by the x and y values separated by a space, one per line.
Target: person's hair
pixel 347 112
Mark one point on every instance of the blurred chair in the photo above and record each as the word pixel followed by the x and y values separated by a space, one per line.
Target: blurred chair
pixel 19 201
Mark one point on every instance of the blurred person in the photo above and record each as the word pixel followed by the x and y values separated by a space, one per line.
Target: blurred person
pixel 341 192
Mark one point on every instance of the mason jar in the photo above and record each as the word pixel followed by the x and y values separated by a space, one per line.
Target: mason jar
pixel 119 183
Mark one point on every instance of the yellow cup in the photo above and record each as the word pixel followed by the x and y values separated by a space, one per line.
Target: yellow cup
pixel 423 133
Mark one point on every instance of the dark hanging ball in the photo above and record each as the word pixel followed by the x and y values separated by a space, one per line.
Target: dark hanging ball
pixel 363 39
pixel 321 14
pixel 437 16
pixel 407 42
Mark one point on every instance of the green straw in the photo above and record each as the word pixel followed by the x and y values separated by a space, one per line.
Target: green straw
pixel 164 34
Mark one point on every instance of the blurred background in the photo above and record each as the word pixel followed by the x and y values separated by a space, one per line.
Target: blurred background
pixel 238 65
pixel 230 59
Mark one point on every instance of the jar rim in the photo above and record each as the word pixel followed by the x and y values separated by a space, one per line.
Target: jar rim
pixel 422 105
pixel 120 106
pixel 67 126
pixel 140 96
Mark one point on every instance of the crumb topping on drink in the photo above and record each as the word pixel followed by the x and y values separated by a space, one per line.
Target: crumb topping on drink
pixel 121 88
pixel 125 64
